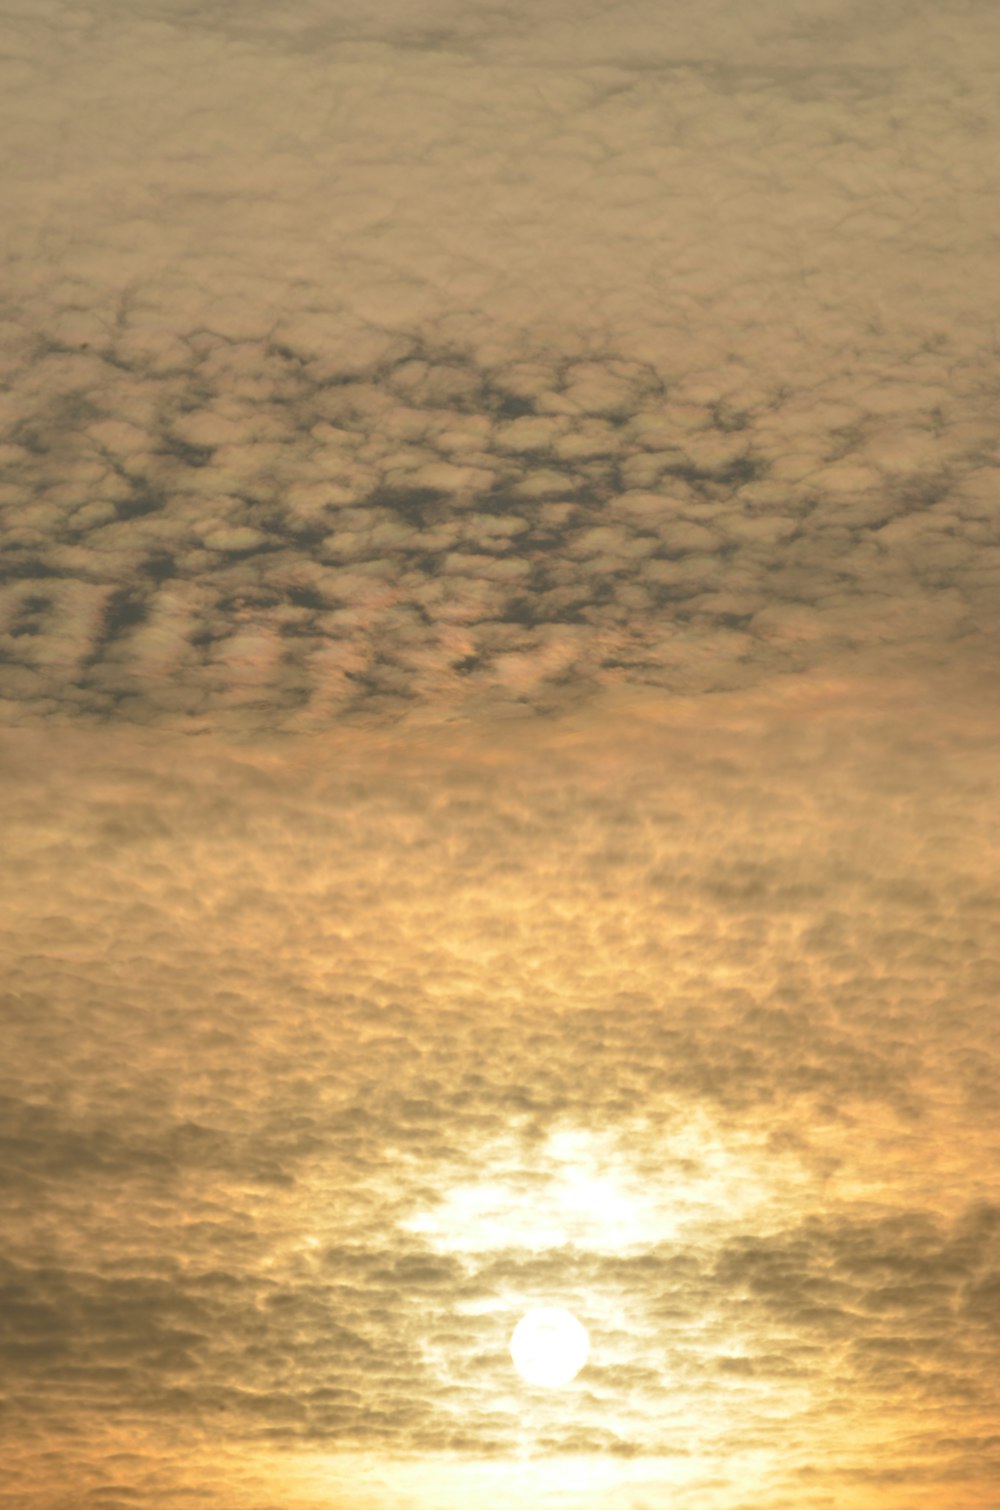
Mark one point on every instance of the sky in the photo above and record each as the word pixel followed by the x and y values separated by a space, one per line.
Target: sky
pixel 499 782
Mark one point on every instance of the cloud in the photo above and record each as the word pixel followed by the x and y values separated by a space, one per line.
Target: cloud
pixel 498 579
pixel 332 1058
pixel 432 481
pixel 339 571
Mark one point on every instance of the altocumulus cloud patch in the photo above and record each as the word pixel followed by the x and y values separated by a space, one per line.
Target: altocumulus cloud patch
pixel 432 535
pixel 498 555
pixel 538 382
pixel 357 1062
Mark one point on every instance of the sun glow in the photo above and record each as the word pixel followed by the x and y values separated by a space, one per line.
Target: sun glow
pixel 549 1346
pixel 588 1189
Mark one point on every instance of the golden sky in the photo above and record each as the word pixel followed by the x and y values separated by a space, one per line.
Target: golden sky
pixel 499 733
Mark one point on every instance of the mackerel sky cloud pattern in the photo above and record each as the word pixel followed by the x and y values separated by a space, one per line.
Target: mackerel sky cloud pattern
pixel 499 582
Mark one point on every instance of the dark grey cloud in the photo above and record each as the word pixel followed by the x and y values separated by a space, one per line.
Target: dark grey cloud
pixel 673 370
pixel 398 542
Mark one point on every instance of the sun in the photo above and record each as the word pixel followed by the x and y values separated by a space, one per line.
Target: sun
pixel 549 1346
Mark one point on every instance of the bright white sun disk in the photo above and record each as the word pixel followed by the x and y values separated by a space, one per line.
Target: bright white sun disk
pixel 549 1346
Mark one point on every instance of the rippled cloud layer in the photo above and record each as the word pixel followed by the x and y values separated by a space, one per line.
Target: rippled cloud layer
pixel 327 1061
pixel 499 580
pixel 346 375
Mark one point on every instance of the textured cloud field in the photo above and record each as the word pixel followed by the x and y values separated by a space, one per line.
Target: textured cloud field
pixel 326 1059
pixel 346 374
pixel 499 581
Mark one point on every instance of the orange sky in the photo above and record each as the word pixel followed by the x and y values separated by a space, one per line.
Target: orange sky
pixel 499 565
